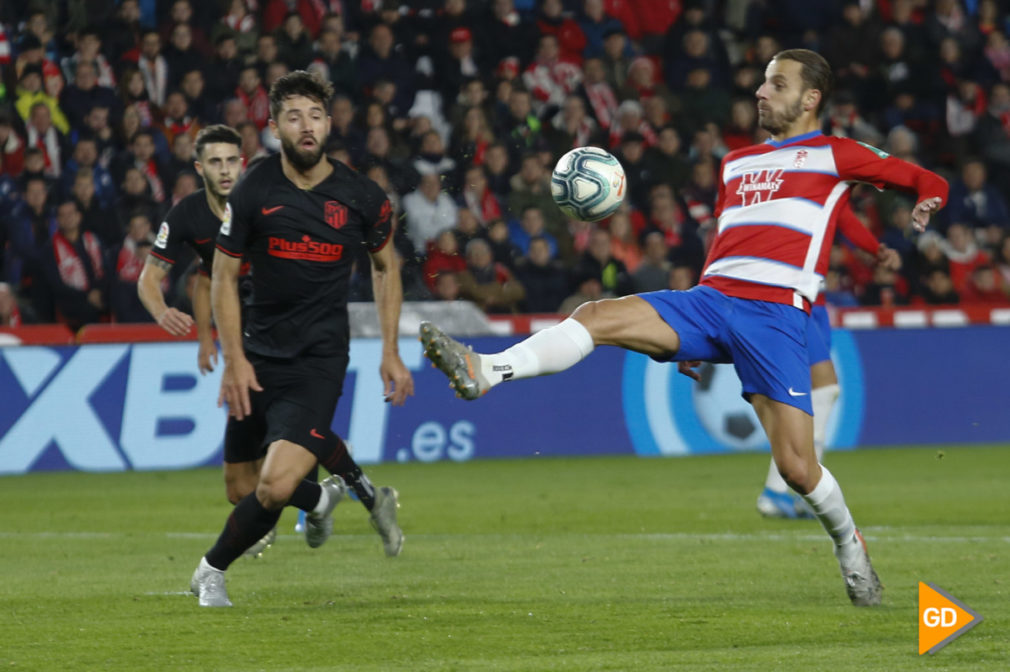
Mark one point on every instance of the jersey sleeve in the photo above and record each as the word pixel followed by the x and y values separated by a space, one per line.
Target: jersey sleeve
pixel 852 228
pixel 862 163
pixel 237 220
pixel 378 223
pixel 171 236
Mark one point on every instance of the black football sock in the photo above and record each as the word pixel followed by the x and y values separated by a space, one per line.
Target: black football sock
pixel 337 460
pixel 306 494
pixel 313 475
pixel 248 523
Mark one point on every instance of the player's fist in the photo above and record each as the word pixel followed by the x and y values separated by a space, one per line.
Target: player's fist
pixel 923 211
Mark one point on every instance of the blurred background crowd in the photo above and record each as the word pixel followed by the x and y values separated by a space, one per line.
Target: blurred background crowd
pixel 459 110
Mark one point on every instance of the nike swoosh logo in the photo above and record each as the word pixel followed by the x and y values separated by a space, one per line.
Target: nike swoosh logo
pixel 794 393
pixel 314 433
pixel 270 211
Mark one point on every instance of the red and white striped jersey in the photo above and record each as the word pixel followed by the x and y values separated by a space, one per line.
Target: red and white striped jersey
pixel 778 206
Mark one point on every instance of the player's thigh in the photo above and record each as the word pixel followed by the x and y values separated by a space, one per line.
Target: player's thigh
pixel 790 431
pixel 285 466
pixel 628 322
pixel 823 374
pixel 769 350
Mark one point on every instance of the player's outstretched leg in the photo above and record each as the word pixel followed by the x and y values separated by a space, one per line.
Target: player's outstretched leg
pixel 471 375
pixel 256 550
pixel 319 521
pixel 383 519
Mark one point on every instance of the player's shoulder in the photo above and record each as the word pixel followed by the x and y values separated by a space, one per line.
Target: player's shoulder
pixel 362 188
pixel 187 208
pixel 259 176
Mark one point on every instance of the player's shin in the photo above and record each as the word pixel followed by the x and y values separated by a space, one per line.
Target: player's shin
pixel 551 350
pixel 828 504
pixel 823 400
pixel 246 525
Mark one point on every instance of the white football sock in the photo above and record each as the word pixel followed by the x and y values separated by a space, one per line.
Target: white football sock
pixel 823 400
pixel 549 351
pixel 828 504
pixel 204 565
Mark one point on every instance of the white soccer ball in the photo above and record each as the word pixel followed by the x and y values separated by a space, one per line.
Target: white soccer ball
pixel 588 184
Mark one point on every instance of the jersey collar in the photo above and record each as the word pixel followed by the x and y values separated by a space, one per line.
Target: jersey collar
pixel 795 138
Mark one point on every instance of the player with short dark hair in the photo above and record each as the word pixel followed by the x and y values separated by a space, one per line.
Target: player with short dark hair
pixel 777 211
pixel 299 218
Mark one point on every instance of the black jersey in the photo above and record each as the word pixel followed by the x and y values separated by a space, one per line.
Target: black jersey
pixel 301 245
pixel 190 222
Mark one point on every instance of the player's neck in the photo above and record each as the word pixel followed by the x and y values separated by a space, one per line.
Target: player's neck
pixel 309 178
pixel 217 203
pixel 801 127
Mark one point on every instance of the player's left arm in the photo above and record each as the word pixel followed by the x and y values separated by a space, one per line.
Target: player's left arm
pixel 397 382
pixel 207 354
pixel 852 228
pixel 856 161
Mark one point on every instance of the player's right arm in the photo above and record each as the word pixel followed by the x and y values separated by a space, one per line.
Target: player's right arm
pixel 171 320
pixel 238 376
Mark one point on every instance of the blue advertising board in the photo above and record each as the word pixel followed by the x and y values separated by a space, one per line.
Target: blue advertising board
pixel 145 406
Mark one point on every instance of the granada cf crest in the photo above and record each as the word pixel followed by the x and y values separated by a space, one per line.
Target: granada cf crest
pixel 336 214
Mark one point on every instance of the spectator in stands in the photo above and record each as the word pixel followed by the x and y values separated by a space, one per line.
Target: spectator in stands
pixel 85 93
pixel 631 119
pixel 379 61
pixel 252 149
pixel 498 171
pixel 978 204
pixel 530 225
pixel 181 55
pixel 86 158
pixel 963 254
pixel 599 262
pixel 543 277
pixel 447 287
pixel 122 36
pixel 939 288
pixel 442 257
pixel 985 286
pixel 503 250
pixel 504 34
pixel 456 64
pixel 572 127
pixel 887 289
pixel 41 133
pixel 617 55
pixel 599 94
pixel 128 262
pixel 653 271
pixel 488 284
pixel 35 166
pixel 135 195
pixel 89 50
pixel 681 278
pixel 343 130
pixel 665 162
pixel 181 14
pixel 477 197
pixel 631 154
pixel 431 157
pixel 294 45
pixel 378 149
pixel 623 244
pixel 181 159
pixel 141 157
pixel 28 232
pixel 587 289
pixel 253 95
pixel 153 67
pixel 96 216
pixel 176 118
pixel 553 21
pixel 429 212
pixel 336 65
pixel 133 94
pixel 198 103
pixel 75 270
pixel 595 24
pixel 520 128
pixel 30 93
pixel 222 73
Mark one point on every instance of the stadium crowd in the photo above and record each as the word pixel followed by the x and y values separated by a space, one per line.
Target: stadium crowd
pixel 459 110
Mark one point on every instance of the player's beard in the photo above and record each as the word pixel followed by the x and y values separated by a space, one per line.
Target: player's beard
pixel 302 161
pixel 777 122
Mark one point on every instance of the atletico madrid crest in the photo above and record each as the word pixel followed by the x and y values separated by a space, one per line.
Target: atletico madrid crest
pixel 336 214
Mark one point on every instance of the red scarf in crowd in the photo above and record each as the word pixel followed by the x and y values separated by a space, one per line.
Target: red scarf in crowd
pixel 71 266
pixel 129 264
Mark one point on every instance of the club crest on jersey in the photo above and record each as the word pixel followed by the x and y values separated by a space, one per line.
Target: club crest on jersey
pixel 162 239
pixel 336 214
pixel 226 220
pixel 801 158
pixel 757 186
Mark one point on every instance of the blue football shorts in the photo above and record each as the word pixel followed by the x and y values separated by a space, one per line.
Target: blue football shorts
pixel 819 335
pixel 765 341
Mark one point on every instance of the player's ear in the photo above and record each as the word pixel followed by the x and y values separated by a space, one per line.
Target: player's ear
pixel 273 128
pixel 199 168
pixel 811 99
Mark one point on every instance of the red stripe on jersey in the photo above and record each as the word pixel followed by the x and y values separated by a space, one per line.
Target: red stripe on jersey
pixel 766 241
pixel 750 290
pixel 163 258
pixel 236 255
pixel 758 187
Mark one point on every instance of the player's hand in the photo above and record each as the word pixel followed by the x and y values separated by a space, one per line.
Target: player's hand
pixel 237 379
pixel 688 369
pixel 888 258
pixel 175 322
pixel 923 211
pixel 397 383
pixel 206 357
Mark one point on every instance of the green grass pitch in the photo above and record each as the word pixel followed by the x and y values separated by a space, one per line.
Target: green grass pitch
pixel 582 564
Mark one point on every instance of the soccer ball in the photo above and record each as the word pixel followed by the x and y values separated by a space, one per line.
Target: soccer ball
pixel 588 184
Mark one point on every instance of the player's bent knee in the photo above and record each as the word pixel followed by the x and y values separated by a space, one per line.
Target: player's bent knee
pixel 274 493
pixel 797 474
